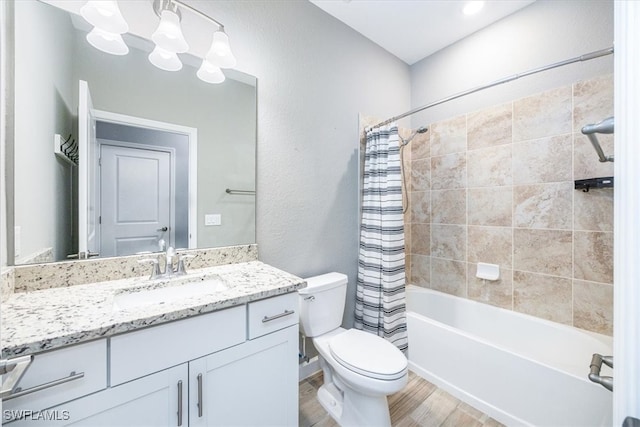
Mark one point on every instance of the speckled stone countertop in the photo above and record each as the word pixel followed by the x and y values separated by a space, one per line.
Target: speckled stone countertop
pixel 37 321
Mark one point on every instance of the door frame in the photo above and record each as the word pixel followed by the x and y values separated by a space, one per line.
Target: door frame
pixel 626 289
pixel 192 134
pixel 172 185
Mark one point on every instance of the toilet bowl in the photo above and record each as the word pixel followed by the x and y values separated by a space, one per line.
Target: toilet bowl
pixel 360 369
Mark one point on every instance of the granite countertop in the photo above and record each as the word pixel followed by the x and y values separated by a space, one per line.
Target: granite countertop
pixel 37 321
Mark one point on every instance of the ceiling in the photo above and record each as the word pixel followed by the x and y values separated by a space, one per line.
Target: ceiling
pixel 414 29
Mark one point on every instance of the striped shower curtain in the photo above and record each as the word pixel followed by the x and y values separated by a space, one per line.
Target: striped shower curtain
pixel 380 299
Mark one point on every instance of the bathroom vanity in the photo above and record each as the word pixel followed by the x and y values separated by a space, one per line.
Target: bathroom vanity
pixel 131 352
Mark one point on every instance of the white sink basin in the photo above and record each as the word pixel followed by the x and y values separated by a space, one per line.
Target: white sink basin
pixel 162 295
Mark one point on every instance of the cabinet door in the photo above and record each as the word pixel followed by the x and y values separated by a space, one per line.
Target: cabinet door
pixel 252 384
pixel 153 400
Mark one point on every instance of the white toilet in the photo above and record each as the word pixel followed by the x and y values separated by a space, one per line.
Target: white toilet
pixel 360 368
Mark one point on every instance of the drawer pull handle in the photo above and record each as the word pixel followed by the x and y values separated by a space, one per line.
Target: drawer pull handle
pixel 278 316
pixel 179 403
pixel 72 376
pixel 200 402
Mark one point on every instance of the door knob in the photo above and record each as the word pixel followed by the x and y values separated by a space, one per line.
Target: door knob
pixel 165 228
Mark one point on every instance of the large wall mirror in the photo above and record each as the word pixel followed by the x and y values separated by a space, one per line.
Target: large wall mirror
pixel 165 146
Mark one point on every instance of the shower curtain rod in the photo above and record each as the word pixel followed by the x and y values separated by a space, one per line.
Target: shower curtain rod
pixel 582 58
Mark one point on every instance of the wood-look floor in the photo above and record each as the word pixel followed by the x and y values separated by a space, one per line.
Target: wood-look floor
pixel 420 403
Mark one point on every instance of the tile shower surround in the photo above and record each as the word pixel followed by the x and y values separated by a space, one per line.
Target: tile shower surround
pixel 496 186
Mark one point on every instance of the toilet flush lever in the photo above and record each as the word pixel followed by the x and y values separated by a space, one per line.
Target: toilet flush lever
pixel 310 298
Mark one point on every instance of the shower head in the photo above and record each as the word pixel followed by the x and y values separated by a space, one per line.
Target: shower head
pixel 421 129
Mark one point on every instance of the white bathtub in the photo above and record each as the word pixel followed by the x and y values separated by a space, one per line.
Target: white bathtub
pixel 519 369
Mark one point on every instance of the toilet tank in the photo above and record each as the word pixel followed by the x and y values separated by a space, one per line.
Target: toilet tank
pixel 322 303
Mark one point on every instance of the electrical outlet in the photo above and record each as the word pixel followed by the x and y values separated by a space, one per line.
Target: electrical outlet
pixel 213 219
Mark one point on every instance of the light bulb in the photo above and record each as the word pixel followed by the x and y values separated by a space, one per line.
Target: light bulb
pixel 165 60
pixel 220 53
pixel 106 15
pixel 107 42
pixel 168 35
pixel 210 73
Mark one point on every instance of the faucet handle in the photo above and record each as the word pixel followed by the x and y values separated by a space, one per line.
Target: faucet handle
pixel 181 268
pixel 156 267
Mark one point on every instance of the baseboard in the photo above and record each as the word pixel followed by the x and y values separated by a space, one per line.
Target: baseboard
pixel 309 368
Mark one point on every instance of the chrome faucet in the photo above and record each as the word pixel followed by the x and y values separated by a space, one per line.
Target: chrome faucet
pixel 169 271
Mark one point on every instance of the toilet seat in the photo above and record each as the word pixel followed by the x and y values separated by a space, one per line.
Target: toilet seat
pixel 368 355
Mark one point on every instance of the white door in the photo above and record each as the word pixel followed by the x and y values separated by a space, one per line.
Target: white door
pixel 88 209
pixel 136 200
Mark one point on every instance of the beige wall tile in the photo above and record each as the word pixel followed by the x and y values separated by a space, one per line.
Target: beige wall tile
pixel 449 171
pixel 490 206
pixel 420 270
pixel 489 127
pixel 543 205
pixel 420 239
pixel 420 175
pixel 593 306
pixel 592 101
pixel 543 251
pixel 421 146
pixel 449 276
pixel 498 293
pixel 542 296
pixel 545 114
pixel 493 245
pixel 593 210
pixel 449 241
pixel 542 160
pixel 489 167
pixel 586 163
pixel 593 256
pixel 449 136
pixel 449 206
pixel 419 206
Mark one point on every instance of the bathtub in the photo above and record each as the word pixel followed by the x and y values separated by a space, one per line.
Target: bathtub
pixel 519 369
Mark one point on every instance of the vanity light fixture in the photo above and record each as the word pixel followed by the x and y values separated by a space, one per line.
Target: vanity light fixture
pixel 220 52
pixel 106 15
pixel 108 23
pixel 165 60
pixel 168 35
pixel 210 73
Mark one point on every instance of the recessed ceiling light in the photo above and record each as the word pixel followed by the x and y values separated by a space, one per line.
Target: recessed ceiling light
pixel 473 7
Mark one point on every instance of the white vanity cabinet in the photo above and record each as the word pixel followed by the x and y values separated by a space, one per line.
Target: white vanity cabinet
pixel 233 367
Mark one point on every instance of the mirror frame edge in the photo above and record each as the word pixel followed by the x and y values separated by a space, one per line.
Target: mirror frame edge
pixel 7 19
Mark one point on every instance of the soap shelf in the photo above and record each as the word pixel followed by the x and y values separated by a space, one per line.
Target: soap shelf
pixel 66 150
pixel 586 184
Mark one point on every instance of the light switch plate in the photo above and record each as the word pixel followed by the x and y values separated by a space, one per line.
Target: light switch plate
pixel 213 219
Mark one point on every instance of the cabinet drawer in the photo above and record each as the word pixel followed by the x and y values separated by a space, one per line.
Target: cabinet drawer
pixel 272 314
pixel 150 350
pixel 88 359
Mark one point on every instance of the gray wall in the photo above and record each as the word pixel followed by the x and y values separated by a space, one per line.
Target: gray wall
pixel 314 76
pixel 545 32
pixel 42 108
